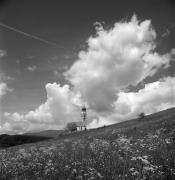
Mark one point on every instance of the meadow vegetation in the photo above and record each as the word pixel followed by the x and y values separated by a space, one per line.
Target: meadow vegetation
pixel 133 150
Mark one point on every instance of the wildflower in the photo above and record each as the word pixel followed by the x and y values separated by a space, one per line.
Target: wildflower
pixel 133 171
pixel 133 158
pixel 74 171
pixel 99 175
pixel 167 141
pixel 145 161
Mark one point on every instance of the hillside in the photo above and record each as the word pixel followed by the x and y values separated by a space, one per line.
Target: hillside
pixel 47 133
pixel 13 140
pixel 135 149
pixel 102 130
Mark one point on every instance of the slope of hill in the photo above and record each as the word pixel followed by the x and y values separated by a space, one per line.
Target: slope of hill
pixel 135 149
pixel 47 133
pixel 13 140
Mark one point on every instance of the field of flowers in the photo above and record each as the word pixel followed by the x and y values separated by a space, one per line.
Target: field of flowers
pixel 138 150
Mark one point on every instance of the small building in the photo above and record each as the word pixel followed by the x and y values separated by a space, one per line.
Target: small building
pixel 81 126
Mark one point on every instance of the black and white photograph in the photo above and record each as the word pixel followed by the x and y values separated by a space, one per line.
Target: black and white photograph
pixel 87 89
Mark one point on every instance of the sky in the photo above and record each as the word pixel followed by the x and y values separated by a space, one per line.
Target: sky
pixel 116 57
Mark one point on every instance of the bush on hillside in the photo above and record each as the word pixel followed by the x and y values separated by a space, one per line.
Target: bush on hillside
pixel 72 126
pixel 141 115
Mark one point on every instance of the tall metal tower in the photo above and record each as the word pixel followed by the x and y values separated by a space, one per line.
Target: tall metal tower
pixel 84 116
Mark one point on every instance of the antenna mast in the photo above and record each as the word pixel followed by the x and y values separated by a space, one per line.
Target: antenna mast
pixel 84 116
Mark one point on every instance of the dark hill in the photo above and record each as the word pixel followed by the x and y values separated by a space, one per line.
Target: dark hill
pixel 46 133
pixel 13 140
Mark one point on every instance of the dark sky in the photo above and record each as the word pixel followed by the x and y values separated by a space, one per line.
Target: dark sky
pixel 31 63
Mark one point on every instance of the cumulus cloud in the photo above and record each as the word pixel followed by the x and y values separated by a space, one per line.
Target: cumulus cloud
pixel 3 89
pixel 62 106
pixel 5 78
pixel 3 85
pixel 3 53
pixel 154 97
pixel 116 58
pixel 167 31
pixel 58 75
pixel 121 56
pixel 32 68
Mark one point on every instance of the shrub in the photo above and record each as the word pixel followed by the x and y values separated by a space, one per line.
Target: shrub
pixel 141 115
pixel 72 126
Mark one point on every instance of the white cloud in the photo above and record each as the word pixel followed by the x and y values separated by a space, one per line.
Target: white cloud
pixel 121 56
pixel 3 85
pixel 57 74
pixel 61 106
pixel 3 53
pixel 166 33
pixel 115 58
pixel 4 78
pixel 153 97
pixel 32 68
pixel 3 88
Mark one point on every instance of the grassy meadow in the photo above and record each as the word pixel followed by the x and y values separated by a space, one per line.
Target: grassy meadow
pixel 134 150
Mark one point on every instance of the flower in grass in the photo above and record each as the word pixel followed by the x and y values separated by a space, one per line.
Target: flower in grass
pixel 124 143
pixel 133 158
pixel 150 168
pixel 99 175
pixel 99 144
pixel 147 165
pixel 74 171
pixel 134 172
pixel 67 167
pixel 80 177
pixel 23 153
pixel 168 141
pixel 145 157
pixel 76 163
pixel 91 178
pixel 145 161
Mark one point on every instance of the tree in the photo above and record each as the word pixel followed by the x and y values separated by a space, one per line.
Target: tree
pixel 72 126
pixel 141 115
